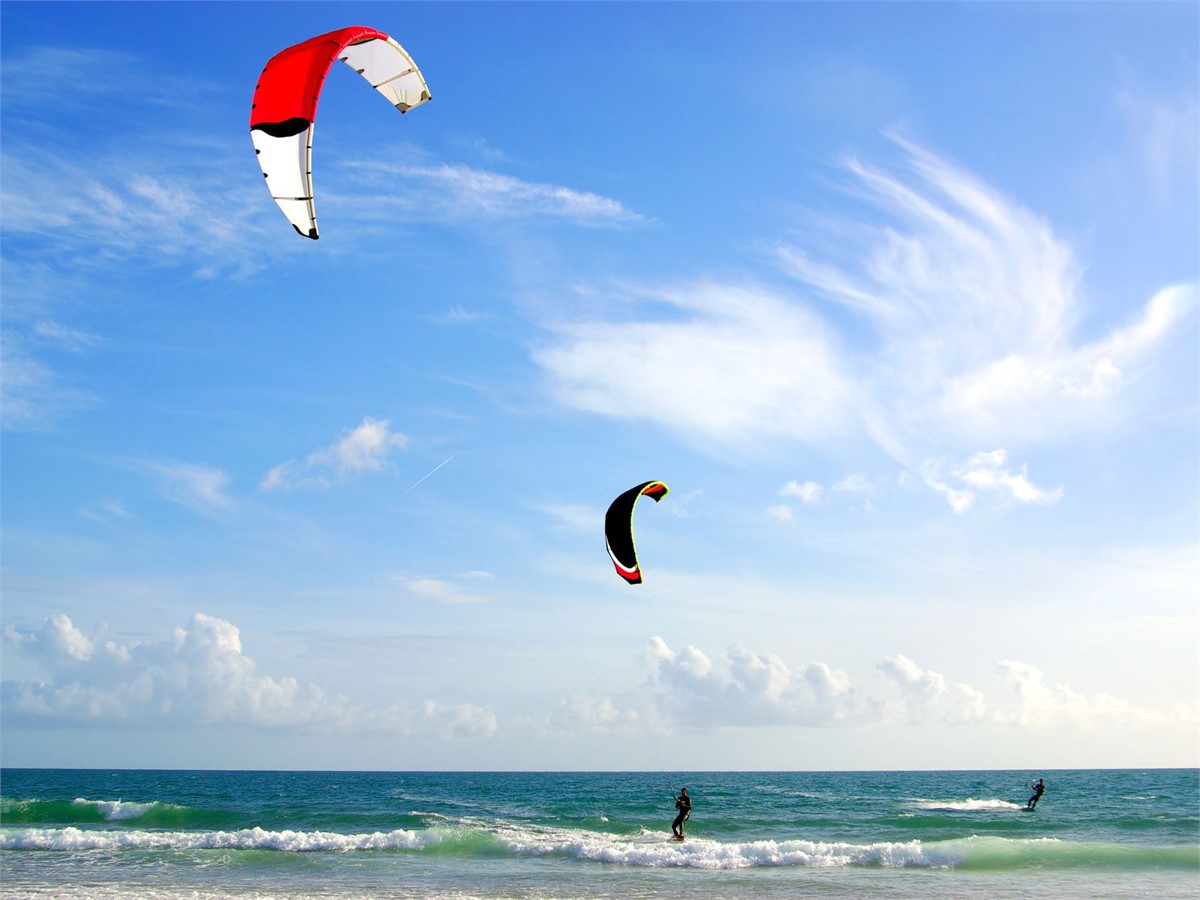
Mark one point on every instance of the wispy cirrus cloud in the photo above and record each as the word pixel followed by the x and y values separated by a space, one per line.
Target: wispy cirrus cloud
pixel 944 320
pixel 33 395
pixel 366 448
pixel 1166 134
pixel 443 191
pixel 167 203
pixel 462 588
pixel 200 488
pixel 33 78
pixel 191 211
pixel 976 304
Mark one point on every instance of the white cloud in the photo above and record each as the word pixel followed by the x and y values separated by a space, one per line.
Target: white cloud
pixel 457 192
pixel 447 590
pixel 115 208
pixel 854 488
pixel 748 688
pixel 109 513
pixel 855 483
pixel 725 364
pixel 1166 141
pixel 954 324
pixel 143 197
pixel 742 687
pixel 806 492
pixel 451 721
pixel 33 77
pixel 1039 704
pixel 781 511
pixel 1066 389
pixel 984 474
pixel 32 395
pixel 976 302
pixel 574 516
pixel 593 716
pixel 200 676
pixel 926 694
pixel 198 487
pixel 366 448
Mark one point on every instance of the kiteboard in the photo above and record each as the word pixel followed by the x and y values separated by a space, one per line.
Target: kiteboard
pixel 675 837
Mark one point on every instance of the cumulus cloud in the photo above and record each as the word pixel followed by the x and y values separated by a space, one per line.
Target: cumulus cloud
pixel 747 688
pixel 927 696
pixel 1039 703
pixel 593 716
pixel 446 721
pixel 199 676
pixel 854 483
pixel 856 488
pixel 806 492
pixel 984 474
pixel 366 448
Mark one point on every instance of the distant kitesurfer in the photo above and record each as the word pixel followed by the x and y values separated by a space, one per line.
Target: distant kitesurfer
pixel 683 803
pixel 1038 790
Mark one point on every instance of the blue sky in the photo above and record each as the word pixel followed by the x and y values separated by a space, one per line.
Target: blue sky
pixel 899 299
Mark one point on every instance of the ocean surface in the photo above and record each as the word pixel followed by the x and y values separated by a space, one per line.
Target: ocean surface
pixel 168 835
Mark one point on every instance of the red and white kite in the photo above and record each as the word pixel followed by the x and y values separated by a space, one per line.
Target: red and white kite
pixel 285 107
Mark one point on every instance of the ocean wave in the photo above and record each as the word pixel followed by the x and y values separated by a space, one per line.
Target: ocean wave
pixel 118 810
pixel 644 850
pixel 84 811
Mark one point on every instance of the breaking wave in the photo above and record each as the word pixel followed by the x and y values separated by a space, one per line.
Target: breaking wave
pixel 643 850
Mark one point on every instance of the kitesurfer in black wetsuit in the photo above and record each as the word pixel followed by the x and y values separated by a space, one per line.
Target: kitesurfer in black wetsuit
pixel 1038 790
pixel 683 803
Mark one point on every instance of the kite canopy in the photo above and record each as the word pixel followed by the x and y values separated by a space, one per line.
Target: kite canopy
pixel 285 107
pixel 618 529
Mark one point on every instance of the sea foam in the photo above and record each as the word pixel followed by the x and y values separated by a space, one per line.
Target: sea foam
pixel 970 804
pixel 242 839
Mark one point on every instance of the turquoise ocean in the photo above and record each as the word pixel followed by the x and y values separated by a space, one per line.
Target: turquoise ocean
pixel 168 835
